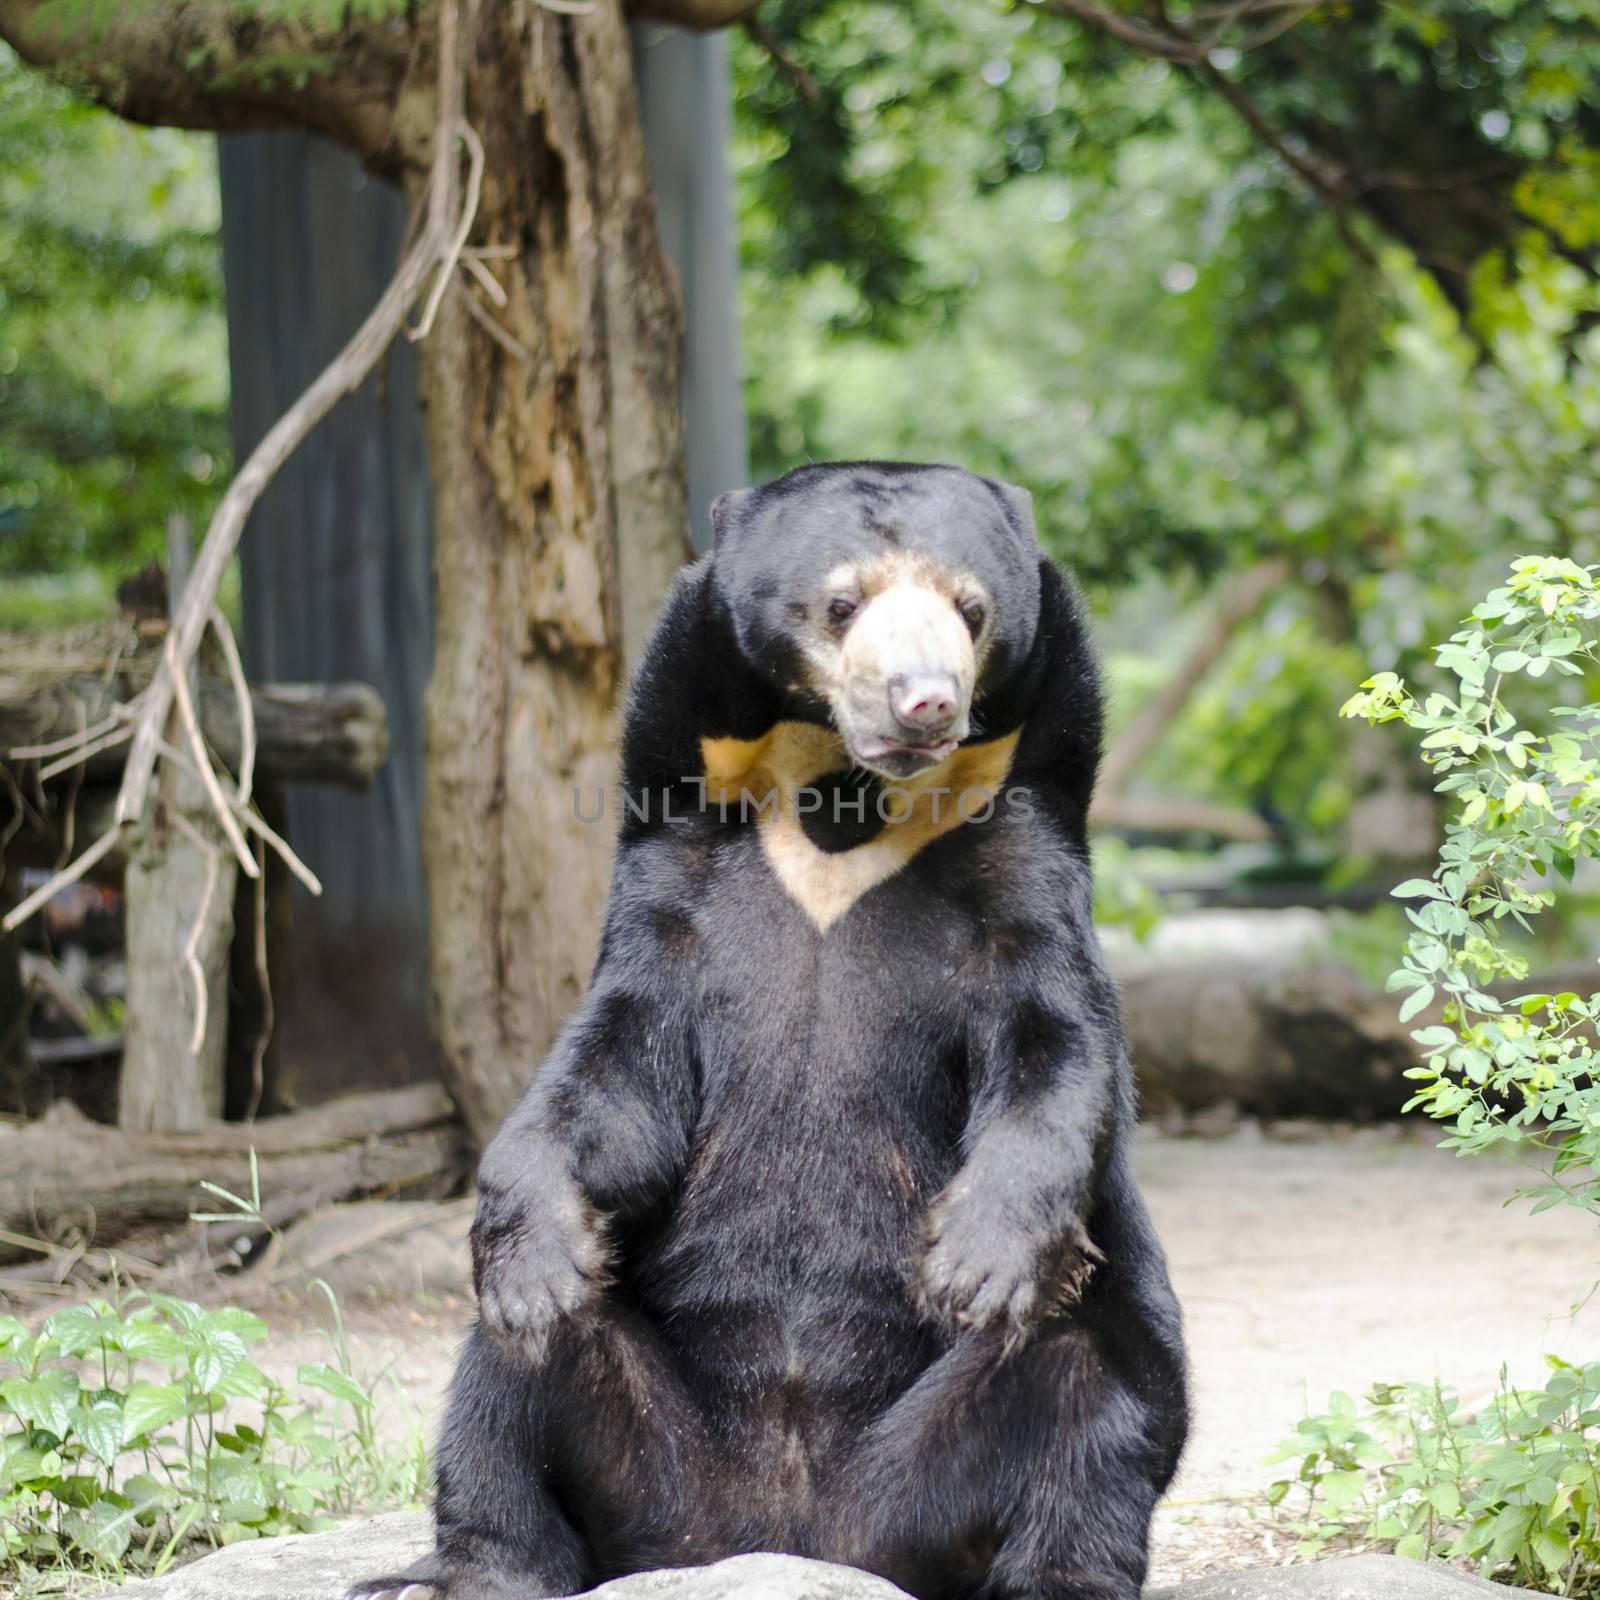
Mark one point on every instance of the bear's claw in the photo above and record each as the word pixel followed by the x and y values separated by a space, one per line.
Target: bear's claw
pixel 980 1269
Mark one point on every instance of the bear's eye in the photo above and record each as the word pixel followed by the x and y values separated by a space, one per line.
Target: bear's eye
pixel 841 608
pixel 973 614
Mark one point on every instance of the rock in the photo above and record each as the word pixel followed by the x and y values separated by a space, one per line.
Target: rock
pixel 1313 1041
pixel 321 1566
pixel 300 1566
pixel 760 1577
pixel 1369 1577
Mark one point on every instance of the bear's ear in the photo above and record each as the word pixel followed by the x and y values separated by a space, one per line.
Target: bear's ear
pixel 727 513
pixel 1019 507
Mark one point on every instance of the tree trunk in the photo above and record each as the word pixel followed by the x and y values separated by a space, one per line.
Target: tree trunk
pixel 559 520
pixel 179 908
pixel 554 437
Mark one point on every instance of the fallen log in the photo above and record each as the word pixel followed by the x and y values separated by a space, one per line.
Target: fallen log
pixel 64 1179
pixel 305 732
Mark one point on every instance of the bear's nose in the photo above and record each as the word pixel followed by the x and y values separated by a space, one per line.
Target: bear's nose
pixel 924 701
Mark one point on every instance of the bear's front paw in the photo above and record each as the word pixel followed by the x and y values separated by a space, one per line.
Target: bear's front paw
pixel 534 1262
pixel 982 1268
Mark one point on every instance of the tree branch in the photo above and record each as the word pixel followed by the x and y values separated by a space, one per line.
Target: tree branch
pixel 214 66
pixel 703 16
pixel 1171 41
pixel 1240 601
pixel 787 66
pixel 1147 41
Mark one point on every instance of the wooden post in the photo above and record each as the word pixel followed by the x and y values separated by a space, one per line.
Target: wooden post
pixel 178 895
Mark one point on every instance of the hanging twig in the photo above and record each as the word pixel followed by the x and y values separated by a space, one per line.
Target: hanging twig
pixel 84 753
pixel 507 341
pixel 191 945
pixel 486 280
pixel 458 240
pixel 73 741
pixel 65 878
pixel 254 821
pixel 258 1050
pixel 241 695
pixel 202 762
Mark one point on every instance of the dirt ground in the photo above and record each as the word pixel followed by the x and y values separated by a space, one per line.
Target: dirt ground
pixel 1306 1262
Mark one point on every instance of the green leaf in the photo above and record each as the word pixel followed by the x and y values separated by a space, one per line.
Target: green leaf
pixel 154 1341
pixel 219 1353
pixel 246 1325
pixel 1342 1489
pixel 1417 1000
pixel 99 1425
pixel 332 1381
pixel 1414 887
pixel 146 1496
pixel 46 1400
pixel 150 1407
pixel 82 1328
pixel 1436 1037
pixel 103 1532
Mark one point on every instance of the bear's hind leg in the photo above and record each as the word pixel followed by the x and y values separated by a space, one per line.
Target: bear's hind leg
pixel 500 1533
pixel 1029 1475
pixel 556 1474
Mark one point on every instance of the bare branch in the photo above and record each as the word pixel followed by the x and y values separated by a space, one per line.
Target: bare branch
pixel 1172 42
pixel 344 374
pixel 191 945
pixel 1272 30
pixel 69 875
pixel 458 240
pixel 507 341
pixel 254 821
pixel 1164 46
pixel 486 280
pixel 73 741
pixel 1239 602
pixel 82 754
pixel 241 694
pixel 437 246
pixel 202 761
pixel 258 1050
pixel 1328 186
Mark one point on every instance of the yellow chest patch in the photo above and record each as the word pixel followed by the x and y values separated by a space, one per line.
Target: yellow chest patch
pixel 772 779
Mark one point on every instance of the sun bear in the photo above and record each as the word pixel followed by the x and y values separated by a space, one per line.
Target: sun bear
pixel 816 1231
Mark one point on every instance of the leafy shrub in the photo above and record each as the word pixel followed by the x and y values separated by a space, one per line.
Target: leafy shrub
pixel 1528 806
pixel 122 1435
pixel 1514 1489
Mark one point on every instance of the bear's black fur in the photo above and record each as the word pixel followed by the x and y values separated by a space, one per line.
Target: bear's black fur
pixel 816 1232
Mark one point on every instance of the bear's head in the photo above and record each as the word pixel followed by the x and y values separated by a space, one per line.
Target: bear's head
pixel 886 599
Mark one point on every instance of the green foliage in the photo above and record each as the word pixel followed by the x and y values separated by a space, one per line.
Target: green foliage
pixel 1525 781
pixel 131 1424
pixel 1076 268
pixel 1513 1489
pixel 113 364
pixel 1123 895
pixel 1514 744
